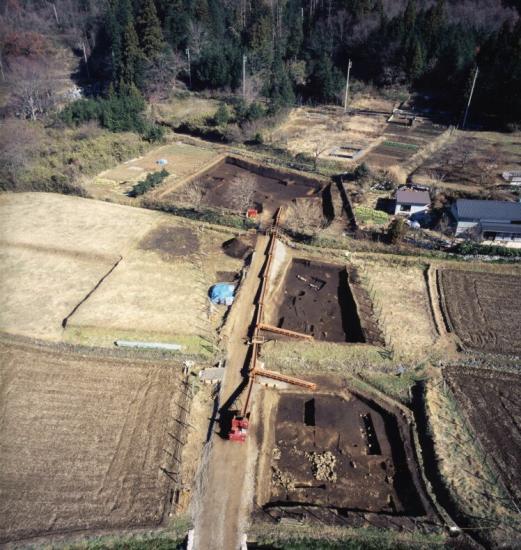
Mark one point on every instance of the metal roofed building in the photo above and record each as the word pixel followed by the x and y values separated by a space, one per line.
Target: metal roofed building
pixel 409 201
pixel 492 220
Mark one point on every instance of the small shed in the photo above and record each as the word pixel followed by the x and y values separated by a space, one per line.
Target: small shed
pixel 410 201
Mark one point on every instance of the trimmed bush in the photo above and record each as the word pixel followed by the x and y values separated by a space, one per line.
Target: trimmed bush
pixel 469 248
pixel 153 179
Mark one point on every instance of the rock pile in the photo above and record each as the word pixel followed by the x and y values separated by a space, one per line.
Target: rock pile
pixel 323 465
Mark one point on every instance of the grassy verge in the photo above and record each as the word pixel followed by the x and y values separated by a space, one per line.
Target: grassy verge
pixel 171 538
pixel 194 346
pixel 365 214
pixel 308 537
pixel 469 480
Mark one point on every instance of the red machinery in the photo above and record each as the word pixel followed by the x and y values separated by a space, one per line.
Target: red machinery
pixel 240 421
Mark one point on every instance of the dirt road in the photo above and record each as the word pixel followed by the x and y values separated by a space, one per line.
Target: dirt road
pixel 220 509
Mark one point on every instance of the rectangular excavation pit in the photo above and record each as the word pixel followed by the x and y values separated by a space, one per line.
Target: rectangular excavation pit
pixel 225 184
pixel 330 464
pixel 317 299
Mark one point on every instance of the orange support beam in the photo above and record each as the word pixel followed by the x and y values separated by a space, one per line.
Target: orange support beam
pixel 284 332
pixel 284 378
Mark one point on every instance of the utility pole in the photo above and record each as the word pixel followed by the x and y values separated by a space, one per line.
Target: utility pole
pixel 2 68
pixel 244 77
pixel 349 65
pixel 85 59
pixel 55 13
pixel 189 68
pixel 470 98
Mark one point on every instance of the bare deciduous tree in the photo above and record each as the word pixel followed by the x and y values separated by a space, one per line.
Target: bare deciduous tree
pixel 305 216
pixel 241 191
pixel 34 89
pixel 161 74
pixel 196 37
pixel 193 194
pixel 318 149
pixel 19 142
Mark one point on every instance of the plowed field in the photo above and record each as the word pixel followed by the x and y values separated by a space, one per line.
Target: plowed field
pixel 491 403
pixel 483 309
pixel 86 442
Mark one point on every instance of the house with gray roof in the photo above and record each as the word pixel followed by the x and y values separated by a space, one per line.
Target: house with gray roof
pixel 488 220
pixel 410 201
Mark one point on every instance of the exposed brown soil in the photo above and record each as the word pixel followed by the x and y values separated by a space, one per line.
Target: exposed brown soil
pixel 238 247
pixel 342 453
pixel 87 442
pixel 483 309
pixel 171 241
pixel 273 188
pixel 490 400
pixel 389 152
pixel 318 299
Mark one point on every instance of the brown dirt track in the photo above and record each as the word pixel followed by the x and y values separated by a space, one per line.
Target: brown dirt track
pixel 483 309
pixel 84 440
pixel 490 400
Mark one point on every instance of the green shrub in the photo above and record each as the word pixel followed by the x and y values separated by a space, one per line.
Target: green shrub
pixel 117 113
pixel 153 179
pixel 469 248
pixel 222 115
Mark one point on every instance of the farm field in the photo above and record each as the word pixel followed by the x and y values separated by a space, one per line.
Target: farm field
pixel 483 309
pixel 183 159
pixel 91 272
pixel 400 143
pixel 84 440
pixel 490 401
pixel 342 452
pixel 473 162
pixel 337 135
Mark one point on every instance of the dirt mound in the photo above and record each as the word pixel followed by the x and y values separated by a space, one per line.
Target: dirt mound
pixel 237 248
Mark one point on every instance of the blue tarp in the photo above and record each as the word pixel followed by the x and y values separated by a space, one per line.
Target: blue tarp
pixel 222 293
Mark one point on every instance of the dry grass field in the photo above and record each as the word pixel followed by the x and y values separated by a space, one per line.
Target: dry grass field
pixel 183 159
pixel 472 162
pixel 112 271
pixel 401 299
pixel 85 440
pixel 327 128
pixel 472 483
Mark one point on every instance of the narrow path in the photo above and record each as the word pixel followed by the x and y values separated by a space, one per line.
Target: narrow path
pixel 221 513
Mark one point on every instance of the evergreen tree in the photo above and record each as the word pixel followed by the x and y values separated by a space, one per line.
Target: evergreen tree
pixel 409 18
pixel 149 30
pixel 280 90
pixel 417 60
pixel 130 59
pixel 325 81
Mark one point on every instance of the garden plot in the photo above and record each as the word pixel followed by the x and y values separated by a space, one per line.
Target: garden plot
pixel 182 159
pixel 235 184
pixel 401 143
pixel 339 452
pixel 490 401
pixel 483 309
pixel 328 130
pixel 324 301
pixel 86 441
pixel 472 162
pixel 92 272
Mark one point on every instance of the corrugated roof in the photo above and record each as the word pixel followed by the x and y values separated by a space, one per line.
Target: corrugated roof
pixel 407 196
pixel 513 228
pixel 488 210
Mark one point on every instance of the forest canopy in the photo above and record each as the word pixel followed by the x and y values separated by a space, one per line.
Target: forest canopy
pixel 295 50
